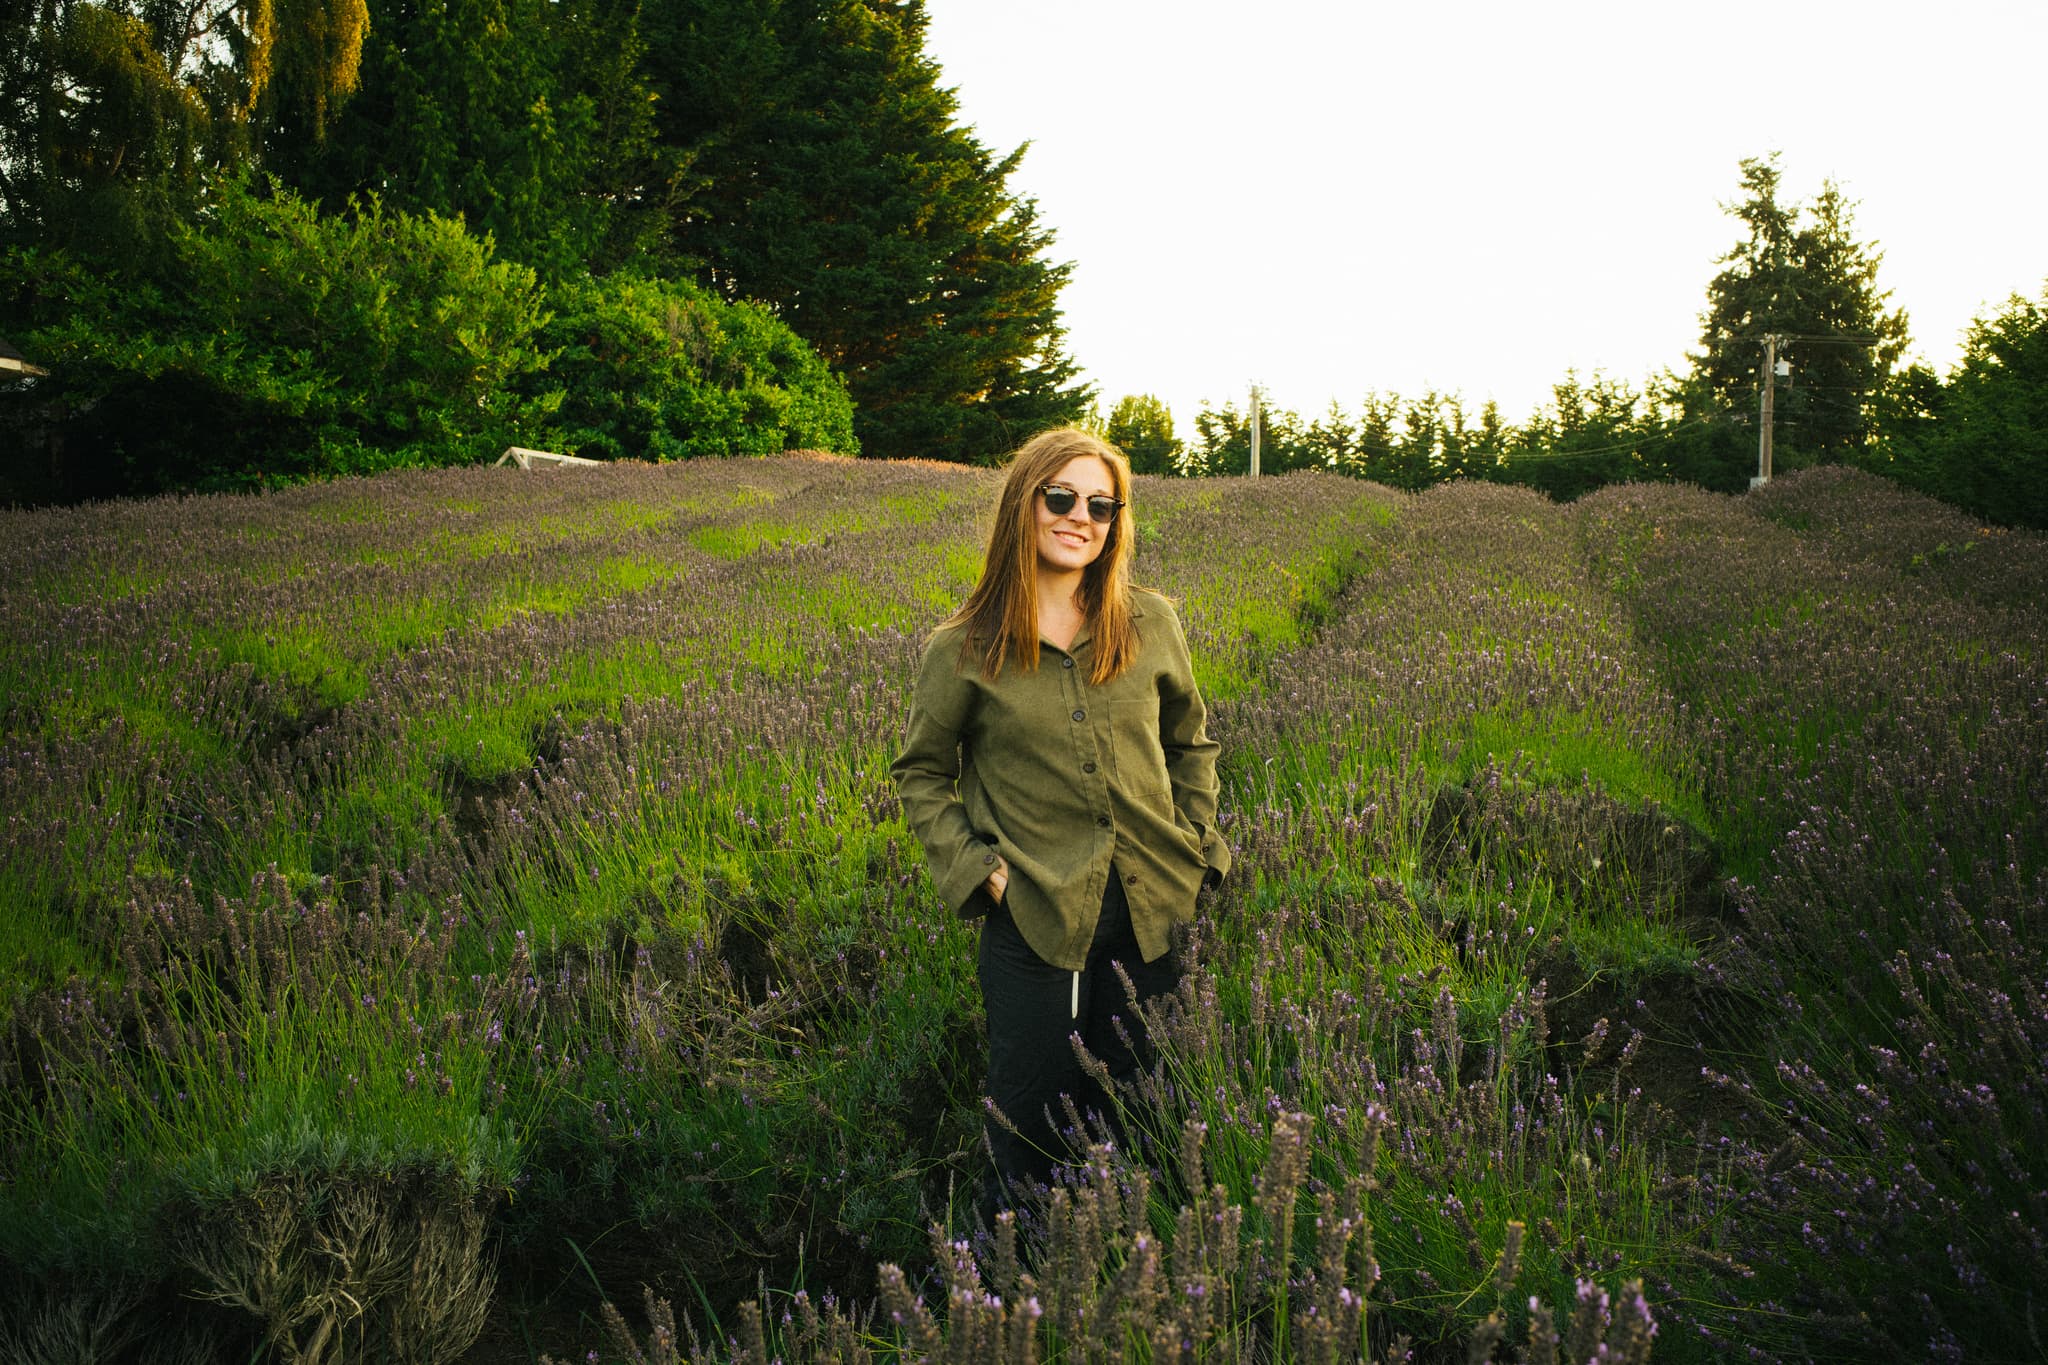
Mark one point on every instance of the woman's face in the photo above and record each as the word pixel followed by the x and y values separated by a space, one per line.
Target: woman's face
pixel 1069 542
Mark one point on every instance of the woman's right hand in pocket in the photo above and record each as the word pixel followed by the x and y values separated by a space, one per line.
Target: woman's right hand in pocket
pixel 998 882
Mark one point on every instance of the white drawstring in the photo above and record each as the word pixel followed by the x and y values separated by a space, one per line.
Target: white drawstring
pixel 1077 995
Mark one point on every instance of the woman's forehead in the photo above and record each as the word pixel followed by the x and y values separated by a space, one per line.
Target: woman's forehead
pixel 1086 475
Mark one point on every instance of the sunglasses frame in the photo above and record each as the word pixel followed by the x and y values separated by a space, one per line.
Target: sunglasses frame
pixel 1045 490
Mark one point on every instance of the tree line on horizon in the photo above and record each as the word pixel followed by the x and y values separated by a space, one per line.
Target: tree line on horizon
pixel 255 244
pixel 1977 437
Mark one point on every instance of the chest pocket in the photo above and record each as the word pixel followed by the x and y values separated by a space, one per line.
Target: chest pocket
pixel 1134 744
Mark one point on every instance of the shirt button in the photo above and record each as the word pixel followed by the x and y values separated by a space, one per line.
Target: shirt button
pixel 1102 820
pixel 1080 715
pixel 1066 663
pixel 1131 880
pixel 988 860
pixel 1087 767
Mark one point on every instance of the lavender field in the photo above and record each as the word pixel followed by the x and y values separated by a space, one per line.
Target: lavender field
pixel 439 908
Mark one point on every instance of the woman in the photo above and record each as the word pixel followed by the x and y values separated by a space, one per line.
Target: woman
pixel 1058 773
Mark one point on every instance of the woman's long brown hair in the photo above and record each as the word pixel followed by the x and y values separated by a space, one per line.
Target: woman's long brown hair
pixel 1001 615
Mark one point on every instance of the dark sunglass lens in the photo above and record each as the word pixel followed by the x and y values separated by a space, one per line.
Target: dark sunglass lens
pixel 1058 501
pixel 1102 510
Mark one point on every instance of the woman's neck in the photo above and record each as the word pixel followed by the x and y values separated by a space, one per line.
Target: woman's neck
pixel 1059 609
pixel 1058 593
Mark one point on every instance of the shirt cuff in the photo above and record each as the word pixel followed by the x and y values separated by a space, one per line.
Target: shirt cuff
pixel 965 878
pixel 1216 854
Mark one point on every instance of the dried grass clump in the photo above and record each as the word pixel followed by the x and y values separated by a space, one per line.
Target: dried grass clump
pixel 76 1327
pixel 97 1319
pixel 369 1267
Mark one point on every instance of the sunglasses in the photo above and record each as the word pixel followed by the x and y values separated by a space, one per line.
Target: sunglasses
pixel 1059 500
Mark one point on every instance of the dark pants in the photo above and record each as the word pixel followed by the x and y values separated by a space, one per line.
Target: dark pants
pixel 1031 1019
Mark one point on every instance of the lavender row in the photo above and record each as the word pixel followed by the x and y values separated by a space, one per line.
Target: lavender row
pixel 1876 740
pixel 388 698
pixel 620 840
pixel 1474 698
pixel 1470 789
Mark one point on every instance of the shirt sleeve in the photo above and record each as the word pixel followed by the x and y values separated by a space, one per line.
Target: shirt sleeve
pixel 1190 753
pixel 927 775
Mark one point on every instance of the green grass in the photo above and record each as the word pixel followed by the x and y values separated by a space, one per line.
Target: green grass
pixel 36 940
pixel 1558 747
pixel 360 1078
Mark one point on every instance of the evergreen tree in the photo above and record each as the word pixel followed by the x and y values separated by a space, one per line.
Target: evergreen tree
pixel 1981 439
pixel 1225 442
pixel 1333 438
pixel 1412 463
pixel 1829 396
pixel 1373 451
pixel 828 178
pixel 1703 442
pixel 1588 436
pixel 1756 291
pixel 527 118
pixel 1813 284
pixel 1141 427
pixel 1485 445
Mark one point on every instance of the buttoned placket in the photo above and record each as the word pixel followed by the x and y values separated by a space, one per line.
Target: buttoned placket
pixel 1088 748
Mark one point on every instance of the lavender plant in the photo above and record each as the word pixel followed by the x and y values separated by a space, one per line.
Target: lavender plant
pixel 1228 1283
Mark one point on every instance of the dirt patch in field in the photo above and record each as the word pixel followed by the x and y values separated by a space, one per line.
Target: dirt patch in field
pixel 1687 1029
pixel 746 944
pixel 475 806
pixel 1607 850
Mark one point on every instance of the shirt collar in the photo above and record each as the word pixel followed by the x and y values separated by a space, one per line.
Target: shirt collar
pixel 1087 631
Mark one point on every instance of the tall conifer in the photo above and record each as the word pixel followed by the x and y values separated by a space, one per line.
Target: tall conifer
pixel 1800 273
pixel 828 177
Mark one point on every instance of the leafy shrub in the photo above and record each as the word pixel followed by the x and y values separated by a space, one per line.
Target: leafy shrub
pixel 283 344
pixel 658 369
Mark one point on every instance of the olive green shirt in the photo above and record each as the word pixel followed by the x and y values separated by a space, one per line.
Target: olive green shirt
pixel 1060 778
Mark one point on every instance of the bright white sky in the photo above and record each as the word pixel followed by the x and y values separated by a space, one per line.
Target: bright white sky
pixel 1332 198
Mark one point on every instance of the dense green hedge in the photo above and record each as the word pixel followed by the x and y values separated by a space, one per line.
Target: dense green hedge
pixel 283 343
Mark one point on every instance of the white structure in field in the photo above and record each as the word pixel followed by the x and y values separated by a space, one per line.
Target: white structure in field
pixel 538 459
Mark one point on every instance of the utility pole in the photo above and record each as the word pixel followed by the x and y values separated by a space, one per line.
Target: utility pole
pixel 1256 396
pixel 1776 369
pixel 1763 425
